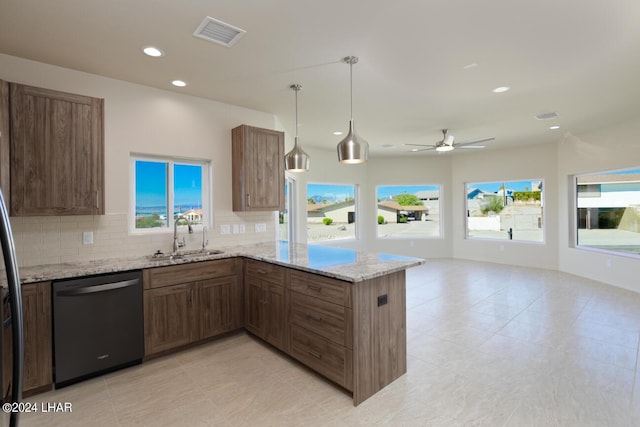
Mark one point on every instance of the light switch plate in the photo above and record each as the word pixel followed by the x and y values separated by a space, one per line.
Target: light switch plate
pixel 87 237
pixel 242 229
pixel 225 229
pixel 236 229
pixel 261 228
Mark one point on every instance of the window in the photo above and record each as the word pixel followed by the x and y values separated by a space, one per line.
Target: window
pixel 408 211
pixel 509 210
pixel 608 211
pixel 331 212
pixel 285 219
pixel 164 189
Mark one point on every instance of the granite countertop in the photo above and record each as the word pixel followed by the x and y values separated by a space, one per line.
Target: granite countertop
pixel 344 264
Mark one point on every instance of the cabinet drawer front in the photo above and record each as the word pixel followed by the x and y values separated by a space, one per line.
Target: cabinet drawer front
pixel 335 291
pixel 327 358
pixel 190 272
pixel 265 271
pixel 329 320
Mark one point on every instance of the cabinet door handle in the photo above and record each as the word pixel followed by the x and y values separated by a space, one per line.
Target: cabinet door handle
pixel 259 271
pixel 315 354
pixel 248 199
pixel 314 288
pixel 98 199
pixel 43 302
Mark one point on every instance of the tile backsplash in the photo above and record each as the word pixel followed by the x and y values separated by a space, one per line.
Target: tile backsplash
pixel 59 239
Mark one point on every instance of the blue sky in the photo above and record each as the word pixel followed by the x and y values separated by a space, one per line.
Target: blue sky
pixel 151 184
pixel 331 192
pixel 493 187
pixel 388 191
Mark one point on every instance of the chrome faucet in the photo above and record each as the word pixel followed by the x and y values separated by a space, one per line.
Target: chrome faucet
pixel 176 243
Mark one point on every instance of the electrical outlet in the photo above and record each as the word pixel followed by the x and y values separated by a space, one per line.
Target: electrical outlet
pixel 261 228
pixel 87 237
pixel 225 229
pixel 609 263
pixel 242 229
pixel 236 228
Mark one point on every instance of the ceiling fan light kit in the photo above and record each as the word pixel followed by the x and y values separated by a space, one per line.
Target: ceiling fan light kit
pixel 353 149
pixel 296 160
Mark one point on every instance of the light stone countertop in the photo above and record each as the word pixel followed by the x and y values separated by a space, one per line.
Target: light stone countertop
pixel 344 264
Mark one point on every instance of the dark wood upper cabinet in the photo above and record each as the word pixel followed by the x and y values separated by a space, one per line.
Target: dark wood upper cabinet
pixel 258 169
pixel 57 152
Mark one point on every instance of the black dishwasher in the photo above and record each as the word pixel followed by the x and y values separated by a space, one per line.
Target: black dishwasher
pixel 97 325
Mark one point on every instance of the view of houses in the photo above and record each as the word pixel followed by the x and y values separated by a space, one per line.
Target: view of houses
pixel 505 210
pixel 402 211
pixel 608 211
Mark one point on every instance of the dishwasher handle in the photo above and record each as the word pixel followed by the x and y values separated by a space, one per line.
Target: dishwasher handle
pixel 97 288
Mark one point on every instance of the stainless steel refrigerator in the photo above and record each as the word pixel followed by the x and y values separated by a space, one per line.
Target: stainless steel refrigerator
pixel 11 332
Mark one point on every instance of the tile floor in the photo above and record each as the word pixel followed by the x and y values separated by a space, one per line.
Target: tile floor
pixel 489 345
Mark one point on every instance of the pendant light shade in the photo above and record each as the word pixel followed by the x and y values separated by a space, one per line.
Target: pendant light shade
pixel 352 149
pixel 296 160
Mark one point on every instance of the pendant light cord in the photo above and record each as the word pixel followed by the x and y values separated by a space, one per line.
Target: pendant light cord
pixel 296 89
pixel 351 86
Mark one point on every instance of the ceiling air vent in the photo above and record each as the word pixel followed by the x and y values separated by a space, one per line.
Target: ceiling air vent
pixel 547 116
pixel 219 32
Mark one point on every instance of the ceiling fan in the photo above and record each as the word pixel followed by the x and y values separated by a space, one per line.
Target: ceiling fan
pixel 447 143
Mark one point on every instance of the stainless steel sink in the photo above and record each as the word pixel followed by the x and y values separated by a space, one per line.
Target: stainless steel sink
pixel 159 256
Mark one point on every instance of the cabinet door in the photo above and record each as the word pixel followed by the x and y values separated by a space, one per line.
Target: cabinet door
pixel 56 153
pixel 254 305
pixel 276 315
pixel 170 317
pixel 258 169
pixel 38 362
pixel 219 312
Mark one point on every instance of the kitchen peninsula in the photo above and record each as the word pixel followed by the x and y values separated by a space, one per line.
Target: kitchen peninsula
pixel 338 311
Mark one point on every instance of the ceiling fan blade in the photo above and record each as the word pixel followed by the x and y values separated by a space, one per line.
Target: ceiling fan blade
pixel 415 150
pixel 420 145
pixel 478 141
pixel 471 146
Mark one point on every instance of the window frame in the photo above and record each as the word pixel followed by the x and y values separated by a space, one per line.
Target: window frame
pixel 574 224
pixel 467 236
pixel 207 193
pixel 412 237
pixel 356 207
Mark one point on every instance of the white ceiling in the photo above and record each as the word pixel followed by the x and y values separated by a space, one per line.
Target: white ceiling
pixel 580 58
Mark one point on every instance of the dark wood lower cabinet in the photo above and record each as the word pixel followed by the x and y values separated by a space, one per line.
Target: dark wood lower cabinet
pixel 178 313
pixel 352 333
pixel 219 306
pixel 266 303
pixel 169 317
pixel 38 361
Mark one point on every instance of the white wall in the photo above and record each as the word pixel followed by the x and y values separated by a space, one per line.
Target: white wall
pixel 138 119
pixel 614 147
pixel 526 163
pixel 148 120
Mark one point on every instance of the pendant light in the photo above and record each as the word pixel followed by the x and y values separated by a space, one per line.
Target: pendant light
pixel 352 149
pixel 296 160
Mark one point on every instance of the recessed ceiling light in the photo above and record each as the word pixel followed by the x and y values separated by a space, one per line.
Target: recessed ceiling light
pixel 179 83
pixel 153 51
pixel 414 149
pixel 554 127
pixel 469 66
pixel 337 132
pixel 501 89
